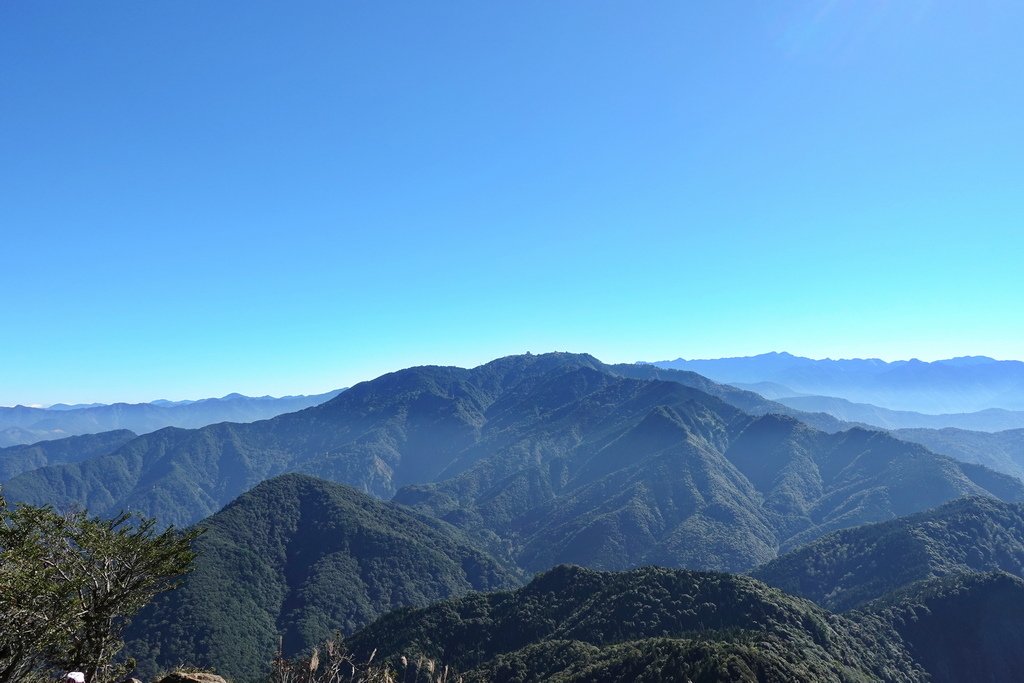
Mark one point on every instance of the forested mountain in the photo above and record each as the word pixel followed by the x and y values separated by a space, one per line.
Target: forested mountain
pixel 989 420
pixel 851 567
pixel 377 438
pixel 24 425
pixel 685 483
pixel 957 385
pixel 961 627
pixel 1000 451
pixel 651 624
pixel 552 458
pixel 299 557
pixel 17 459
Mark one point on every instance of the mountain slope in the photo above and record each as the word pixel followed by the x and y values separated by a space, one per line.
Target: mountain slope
pixel 851 567
pixel 679 479
pixel 961 627
pixel 300 557
pixel 651 624
pixel 1000 451
pixel 17 459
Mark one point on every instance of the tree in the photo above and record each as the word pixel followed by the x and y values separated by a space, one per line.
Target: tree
pixel 70 583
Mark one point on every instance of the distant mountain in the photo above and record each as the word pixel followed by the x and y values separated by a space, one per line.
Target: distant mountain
pixel 22 424
pixel 79 406
pixel 849 568
pixel 650 624
pixel 991 420
pixel 299 557
pixel 548 459
pixel 957 385
pixel 16 436
pixel 770 390
pixel 17 459
pixel 1001 451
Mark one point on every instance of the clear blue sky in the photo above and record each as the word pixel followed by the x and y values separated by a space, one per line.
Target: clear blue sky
pixel 202 197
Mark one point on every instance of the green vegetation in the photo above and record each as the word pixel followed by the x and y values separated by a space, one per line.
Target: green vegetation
pixel 530 462
pixel 70 583
pixel 17 459
pixel 851 567
pixel 1001 451
pixel 960 627
pixel 300 558
pixel 652 624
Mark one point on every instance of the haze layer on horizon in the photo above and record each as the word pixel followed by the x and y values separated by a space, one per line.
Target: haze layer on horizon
pixel 278 200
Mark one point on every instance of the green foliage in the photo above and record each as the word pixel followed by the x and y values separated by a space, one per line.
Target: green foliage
pixel 1001 451
pixel 651 624
pixel 70 583
pixel 964 627
pixel 301 558
pixel 851 567
pixel 18 459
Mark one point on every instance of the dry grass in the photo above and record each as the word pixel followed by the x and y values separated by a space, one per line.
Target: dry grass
pixel 330 662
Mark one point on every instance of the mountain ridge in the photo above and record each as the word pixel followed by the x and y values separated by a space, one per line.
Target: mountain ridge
pixel 960 385
pixel 23 424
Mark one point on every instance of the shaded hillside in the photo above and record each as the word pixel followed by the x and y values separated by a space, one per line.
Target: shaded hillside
pixel 300 557
pixel 990 420
pixel 652 624
pixel 961 628
pixel 17 459
pixel 22 424
pixel 1000 451
pixel 851 567
pixel 682 480
pixel 552 458
pixel 956 385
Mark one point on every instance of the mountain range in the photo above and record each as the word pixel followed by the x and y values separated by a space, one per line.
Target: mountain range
pixel 938 598
pixel 552 458
pixel 434 483
pixel 25 425
pixel 989 420
pixel 957 385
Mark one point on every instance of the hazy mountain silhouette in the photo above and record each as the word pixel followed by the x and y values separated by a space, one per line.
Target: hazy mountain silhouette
pixel 22 424
pixel 957 385
pixel 990 420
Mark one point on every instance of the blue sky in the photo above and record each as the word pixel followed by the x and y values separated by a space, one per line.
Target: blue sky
pixel 205 197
